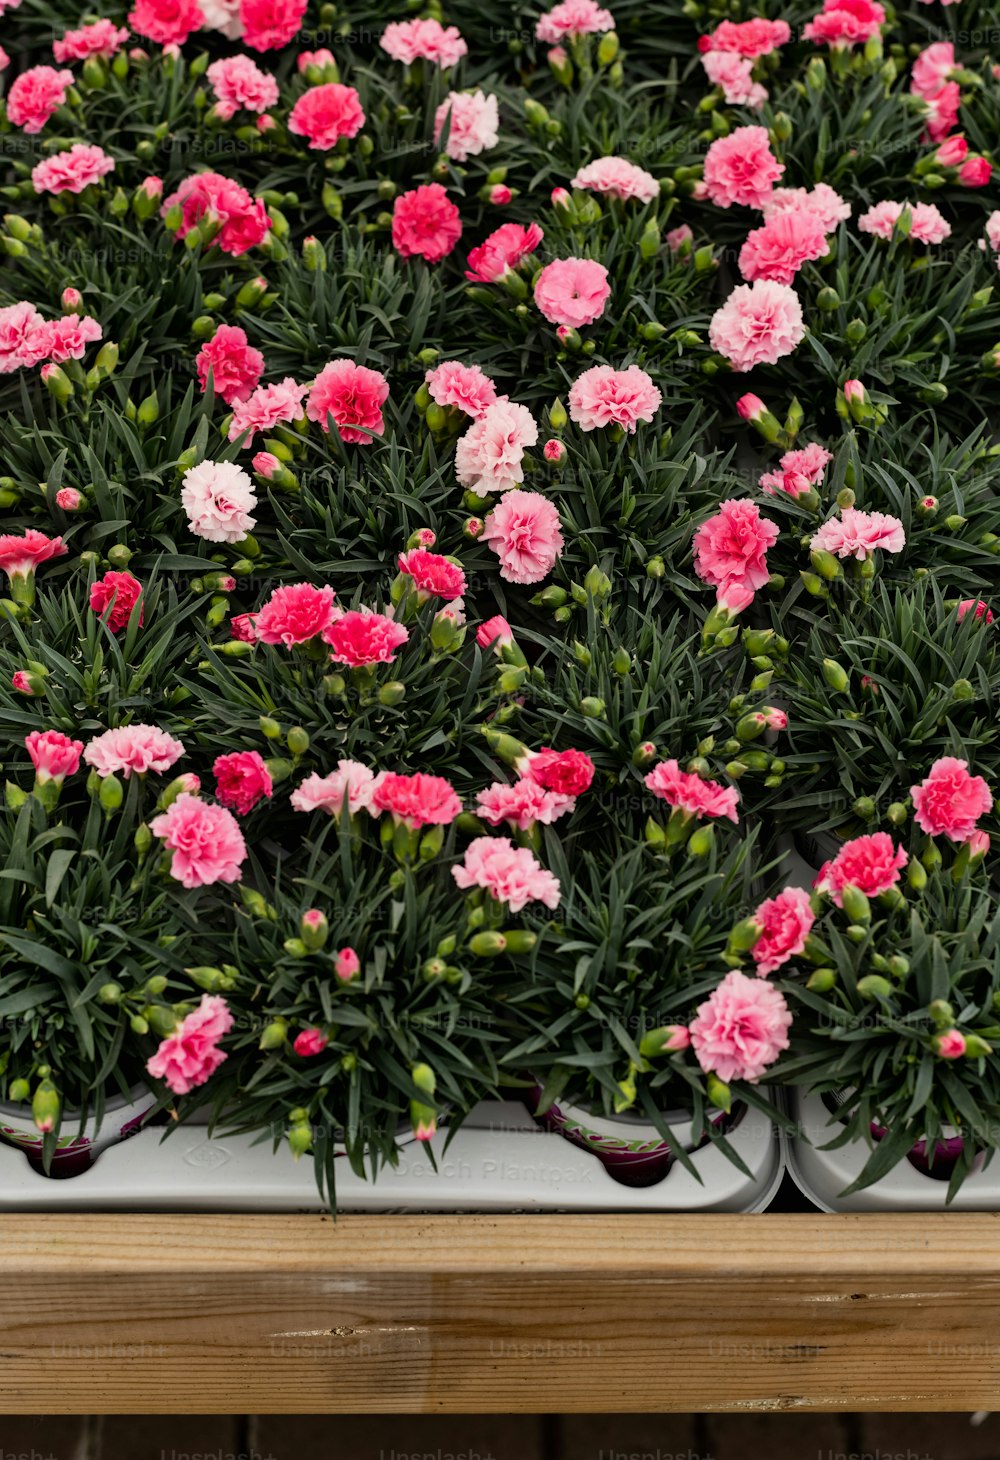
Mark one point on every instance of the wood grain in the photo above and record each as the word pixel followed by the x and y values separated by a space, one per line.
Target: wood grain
pixel 477 1314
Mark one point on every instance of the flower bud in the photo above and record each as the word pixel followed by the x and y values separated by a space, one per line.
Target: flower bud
pixel 314 929
pixel 46 1106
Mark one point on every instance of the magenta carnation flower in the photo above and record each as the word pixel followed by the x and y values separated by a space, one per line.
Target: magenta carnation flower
pixel 360 637
pixel 242 780
pixel 425 223
pixel 235 365
pixel 266 407
pixel 731 547
pixel 101 38
pixel 417 800
pixel 53 755
pixel 502 251
pixel 324 114
pixel 785 922
pixel 433 575
pixel 116 595
pixel 572 18
pixel 779 248
pixel 168 22
pixel 270 24
pixel 35 95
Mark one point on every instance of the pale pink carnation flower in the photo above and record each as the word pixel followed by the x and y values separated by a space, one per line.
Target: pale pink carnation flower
pixel 411 40
pixel 859 534
pixel 18 323
pixel 731 547
pixel 268 406
pixel 351 781
pixel 218 497
pixel 326 113
pixel 223 16
pixel 800 470
pixel 239 83
pixel 474 122
pixel 785 923
pixel 573 18
pixel 523 531
pixel 71 171
pixel 734 75
pixel 205 840
pixel 466 387
pixel 488 458
pixel 619 178
pixel 741 1028
pixel 522 804
pixel 687 792
pixel 62 339
pixel 415 801
pixel 779 248
pixel 572 291
pixel 602 396
pixel 826 205
pixel 191 1054
pixel 133 748
pixel 759 324
pixel 361 637
pixel 927 223
pixel 871 863
pixel 36 95
pixel 741 168
pixel 353 395
pixel 509 874
pixel 294 614
pixel 949 801
pixel 932 68
pixel 101 38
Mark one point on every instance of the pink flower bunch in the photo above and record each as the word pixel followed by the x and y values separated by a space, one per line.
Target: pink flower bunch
pixel 859 534
pixel 218 498
pixel 466 387
pixel 573 18
pixel 240 85
pixel 618 178
pixel 741 1028
pixel 242 781
pixel 523 529
pixel 133 750
pixel 950 800
pixel 242 221
pixel 191 1054
pixel 741 168
pixel 53 755
pixel 785 922
pixel 100 38
pixel 266 407
pixel 270 24
pixel 489 457
pixel 70 172
pixel 927 224
pixel 413 40
pixel 843 23
pixel 115 596
pixel 509 874
pixel 351 783
pixel 425 223
pixel 501 253
pixel 572 291
pixel 294 614
pixel 415 801
pixel 361 637
pixel 432 575
pixel 36 95
pixel 168 22
pixel 800 470
pixel 522 804
pixel 236 367
pixel 473 124
pixel 205 840
pixel 690 794
pixel 730 549
pixel 872 863
pixel 353 395
pixel 759 324
pixel 602 396
pixel 822 202
pixel 733 75
pixel 324 114
pixel 779 248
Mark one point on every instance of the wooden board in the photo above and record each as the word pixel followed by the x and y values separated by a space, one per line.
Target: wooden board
pixel 299 1314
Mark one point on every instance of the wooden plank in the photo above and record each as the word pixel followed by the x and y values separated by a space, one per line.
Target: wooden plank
pixel 478 1314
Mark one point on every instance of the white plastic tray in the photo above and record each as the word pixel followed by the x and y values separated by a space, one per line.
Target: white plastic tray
pixel 500 1161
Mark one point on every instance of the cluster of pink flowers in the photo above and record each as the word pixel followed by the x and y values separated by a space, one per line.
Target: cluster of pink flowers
pixel 730 551
pixel 26 339
pixel 509 874
pixel 800 470
pixel 859 534
pixel 546 789
pixel 241 222
pixel 922 221
pixel 414 40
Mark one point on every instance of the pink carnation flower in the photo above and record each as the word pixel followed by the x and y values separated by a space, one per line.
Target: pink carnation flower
pixel 843 23
pixel 310 1042
pixel 871 863
pixel 411 40
pixel 242 780
pixel 499 254
pixel 267 407
pixel 602 396
pixel 433 576
pixel 523 531
pixel 949 801
pixel 619 178
pixel 741 168
pixel 932 68
pixel 168 22
pixel 270 24
pixel 415 801
pixel 71 171
pixel 859 534
pixel 324 114
pixel 20 556
pixel 785 923
pixel 572 291
pixel 218 498
pixel 294 614
pixel 465 387
pixel 235 365
pixel 495 633
pixel 690 794
pixel 240 84
pixel 115 595
pixel 927 223
pixel 781 246
pixel 205 840
pixel 361 637
pixel 242 627
pixel 53 755
pixel 62 339
pixel 822 202
pixel 4 58
pixel 741 1028
pixel 36 95
pixel 731 547
pixel 734 76
pixel 976 607
pixel 473 124
pixel 749 38
pixel 101 38
pixel 567 772
pixel 351 781
pixel 488 458
pixel 223 16
pixel 425 223
pixel 521 805
pixel 573 18
pixel 245 222
pixel 942 110
pixel 133 749
pixel 759 324
pixel 191 1055
pixel 20 327
pixel 353 395
pixel 800 471
pixel 509 874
